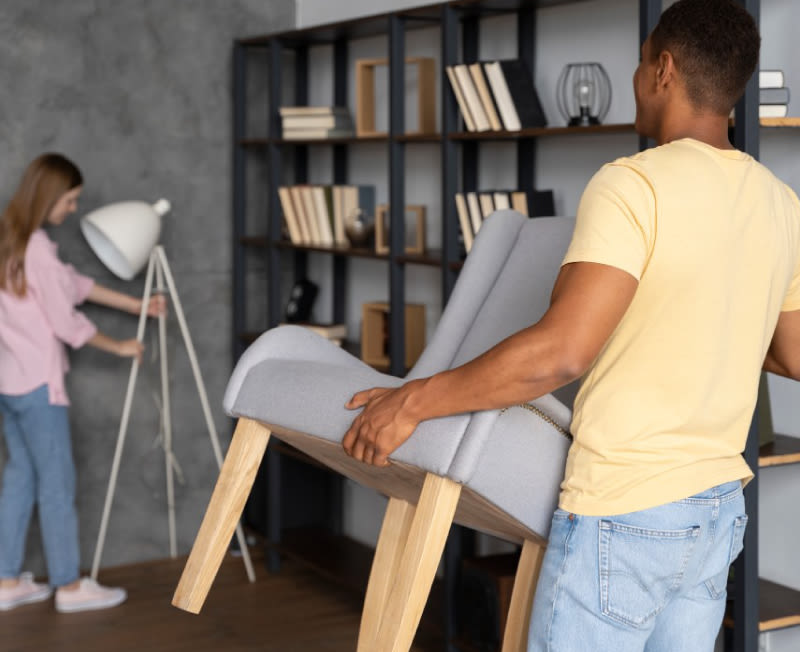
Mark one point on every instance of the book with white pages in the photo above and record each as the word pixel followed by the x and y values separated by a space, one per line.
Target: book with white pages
pixel 476 71
pixel 773 110
pixel 471 96
pixel 462 103
pixel 475 215
pixel 464 221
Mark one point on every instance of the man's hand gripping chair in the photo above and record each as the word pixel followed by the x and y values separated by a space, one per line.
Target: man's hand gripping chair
pixel 497 471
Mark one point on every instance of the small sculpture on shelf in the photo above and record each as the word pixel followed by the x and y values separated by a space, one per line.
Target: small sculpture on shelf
pixel 359 227
pixel 584 94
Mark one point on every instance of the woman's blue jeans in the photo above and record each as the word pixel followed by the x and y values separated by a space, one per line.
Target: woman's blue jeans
pixel 40 471
pixel 648 581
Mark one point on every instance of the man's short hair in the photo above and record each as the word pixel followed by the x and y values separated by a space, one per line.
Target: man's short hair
pixel 715 46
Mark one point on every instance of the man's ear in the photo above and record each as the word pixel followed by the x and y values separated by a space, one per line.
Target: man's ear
pixel 665 69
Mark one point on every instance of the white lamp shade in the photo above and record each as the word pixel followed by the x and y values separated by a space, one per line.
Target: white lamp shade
pixel 124 233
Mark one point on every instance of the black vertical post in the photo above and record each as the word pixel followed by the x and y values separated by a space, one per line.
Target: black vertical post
pixel 469 149
pixel 397 194
pixel 274 285
pixel 300 152
pixel 526 48
pixel 649 13
pixel 340 163
pixel 239 195
pixel 745 592
pixel 450 118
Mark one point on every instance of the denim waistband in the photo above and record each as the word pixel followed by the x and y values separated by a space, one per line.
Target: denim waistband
pixel 723 493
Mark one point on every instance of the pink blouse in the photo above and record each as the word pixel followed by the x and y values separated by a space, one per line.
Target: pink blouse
pixel 34 328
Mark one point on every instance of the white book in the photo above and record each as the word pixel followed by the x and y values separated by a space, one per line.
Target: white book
pixel 502 96
pixel 773 110
pixel 474 211
pixel 464 221
pixel 770 79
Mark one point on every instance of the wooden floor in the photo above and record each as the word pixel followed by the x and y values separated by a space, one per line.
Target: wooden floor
pixel 292 611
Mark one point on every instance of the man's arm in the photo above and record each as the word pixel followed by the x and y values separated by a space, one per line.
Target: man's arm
pixel 783 356
pixel 587 304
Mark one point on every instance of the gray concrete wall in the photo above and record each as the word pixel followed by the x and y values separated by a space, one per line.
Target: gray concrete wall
pixel 138 93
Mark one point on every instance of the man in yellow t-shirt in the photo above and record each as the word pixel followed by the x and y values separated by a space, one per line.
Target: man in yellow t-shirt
pixel 681 283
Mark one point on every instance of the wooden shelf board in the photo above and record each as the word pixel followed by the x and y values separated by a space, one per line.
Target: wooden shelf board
pixel 419 138
pixel 778 607
pixel 780 122
pixel 471 7
pixel 543 131
pixel 784 450
pixel 356 252
pixel 431 257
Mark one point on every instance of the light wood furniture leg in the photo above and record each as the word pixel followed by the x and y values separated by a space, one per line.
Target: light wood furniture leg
pixel 515 638
pixel 227 502
pixel 388 553
pixel 410 588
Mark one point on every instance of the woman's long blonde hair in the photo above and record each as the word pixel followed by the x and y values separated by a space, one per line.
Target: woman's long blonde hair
pixel 45 180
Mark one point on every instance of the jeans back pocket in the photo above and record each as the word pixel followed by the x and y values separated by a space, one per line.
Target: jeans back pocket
pixel 718 583
pixel 640 568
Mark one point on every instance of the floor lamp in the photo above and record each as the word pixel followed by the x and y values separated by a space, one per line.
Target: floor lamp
pixel 124 235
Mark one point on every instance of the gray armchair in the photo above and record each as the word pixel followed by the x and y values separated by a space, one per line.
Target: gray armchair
pixel 496 471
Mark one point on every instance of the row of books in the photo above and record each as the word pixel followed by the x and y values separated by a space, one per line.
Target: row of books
pixel 310 122
pixel 316 215
pixel 474 207
pixel 496 95
pixel 773 95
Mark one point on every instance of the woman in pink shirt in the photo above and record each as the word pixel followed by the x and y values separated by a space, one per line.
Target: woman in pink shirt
pixel 38 316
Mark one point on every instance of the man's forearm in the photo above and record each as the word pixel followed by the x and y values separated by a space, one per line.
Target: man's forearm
pixel 523 367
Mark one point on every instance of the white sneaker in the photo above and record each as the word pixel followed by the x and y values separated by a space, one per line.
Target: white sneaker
pixel 25 592
pixel 89 595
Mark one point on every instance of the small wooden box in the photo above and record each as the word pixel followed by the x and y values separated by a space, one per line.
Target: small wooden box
pixel 375 333
pixel 415 233
pixel 365 95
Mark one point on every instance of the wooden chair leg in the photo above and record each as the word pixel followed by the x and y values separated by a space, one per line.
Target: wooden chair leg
pixel 410 588
pixel 515 638
pixel 227 502
pixel 388 553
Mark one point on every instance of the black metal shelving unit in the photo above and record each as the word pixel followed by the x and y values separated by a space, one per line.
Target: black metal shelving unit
pixel 299 498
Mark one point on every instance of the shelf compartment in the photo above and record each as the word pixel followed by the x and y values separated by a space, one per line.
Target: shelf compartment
pixel 784 450
pixel 535 132
pixel 778 607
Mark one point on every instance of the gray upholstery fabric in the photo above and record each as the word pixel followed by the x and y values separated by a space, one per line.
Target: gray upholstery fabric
pixel 294 378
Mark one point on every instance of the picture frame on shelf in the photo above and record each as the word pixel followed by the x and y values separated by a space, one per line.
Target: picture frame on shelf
pixel 375 333
pixel 365 95
pixel 414 229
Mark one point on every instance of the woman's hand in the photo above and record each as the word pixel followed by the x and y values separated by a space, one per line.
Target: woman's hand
pixel 156 307
pixel 131 348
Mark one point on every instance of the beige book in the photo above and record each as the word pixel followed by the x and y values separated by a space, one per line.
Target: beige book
pixel 475 215
pixel 463 220
pixel 300 211
pixel 476 71
pixel 519 202
pixel 323 218
pixel 487 205
pixel 471 97
pixel 501 201
pixel 307 196
pixel 289 215
pixel 339 235
pixel 462 103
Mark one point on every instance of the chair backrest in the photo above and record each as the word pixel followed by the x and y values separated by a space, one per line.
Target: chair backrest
pixel 504 286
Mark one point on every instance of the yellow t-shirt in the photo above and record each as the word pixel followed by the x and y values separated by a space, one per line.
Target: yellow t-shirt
pixel 714 240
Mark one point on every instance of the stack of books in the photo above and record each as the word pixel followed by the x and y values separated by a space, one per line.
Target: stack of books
pixel 317 215
pixel 773 95
pixel 474 207
pixel 496 95
pixel 313 122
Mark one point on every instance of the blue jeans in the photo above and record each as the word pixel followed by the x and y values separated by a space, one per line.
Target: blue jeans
pixel 39 470
pixel 648 581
